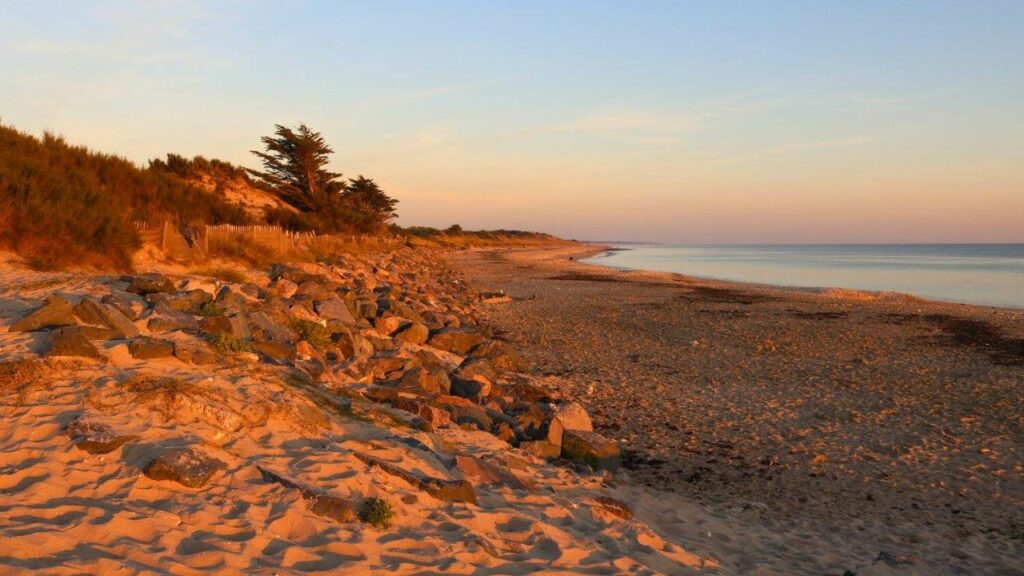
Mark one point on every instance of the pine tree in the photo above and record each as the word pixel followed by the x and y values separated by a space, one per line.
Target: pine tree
pixel 295 164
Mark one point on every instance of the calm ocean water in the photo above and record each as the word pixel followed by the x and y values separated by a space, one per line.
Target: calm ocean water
pixel 991 274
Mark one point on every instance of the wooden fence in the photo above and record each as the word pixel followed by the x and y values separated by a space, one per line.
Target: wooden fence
pixel 196 243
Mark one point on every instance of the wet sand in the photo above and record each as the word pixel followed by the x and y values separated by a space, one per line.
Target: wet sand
pixel 846 430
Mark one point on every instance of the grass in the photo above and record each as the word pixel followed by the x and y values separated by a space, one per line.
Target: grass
pixel 162 394
pixel 377 512
pixel 241 247
pixel 224 273
pixel 226 344
pixel 312 332
pixel 17 377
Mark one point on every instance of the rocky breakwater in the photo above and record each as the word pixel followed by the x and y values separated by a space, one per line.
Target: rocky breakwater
pixel 399 331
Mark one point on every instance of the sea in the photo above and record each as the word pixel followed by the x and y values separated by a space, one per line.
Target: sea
pixel 986 274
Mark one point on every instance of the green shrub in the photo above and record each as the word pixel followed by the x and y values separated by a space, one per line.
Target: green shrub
pixel 377 512
pixel 225 344
pixel 312 332
pixel 209 309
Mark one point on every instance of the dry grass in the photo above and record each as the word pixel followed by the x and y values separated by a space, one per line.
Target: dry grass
pixel 164 395
pixel 18 377
pixel 223 273
pixel 240 247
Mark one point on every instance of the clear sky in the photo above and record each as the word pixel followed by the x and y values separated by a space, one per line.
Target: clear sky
pixel 809 121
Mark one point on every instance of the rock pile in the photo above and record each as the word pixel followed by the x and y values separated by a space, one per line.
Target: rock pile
pixel 400 329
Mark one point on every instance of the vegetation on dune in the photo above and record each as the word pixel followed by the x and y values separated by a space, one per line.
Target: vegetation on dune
pixel 377 512
pixel 455 237
pixel 62 204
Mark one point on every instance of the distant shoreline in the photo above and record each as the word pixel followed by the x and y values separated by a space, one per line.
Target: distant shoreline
pixel 596 260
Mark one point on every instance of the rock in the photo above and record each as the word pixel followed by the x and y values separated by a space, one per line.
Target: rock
pixel 165 319
pixel 283 288
pixel 56 312
pixel 232 299
pixel 419 378
pixel 90 311
pixel 94 437
pixel 542 449
pixel 502 356
pixel 465 413
pixel 276 351
pixel 615 507
pixel 456 340
pixel 413 333
pixel 186 466
pixel 494 297
pixel 334 309
pixel 149 284
pixel 71 341
pixel 572 416
pixel 330 506
pixel 591 449
pixel 448 490
pixel 474 390
pixel 433 418
pixel 319 502
pixel 263 328
pixel 491 473
pixel 387 325
pixel 479 369
pixel 194 352
pixel 128 304
pixel 145 348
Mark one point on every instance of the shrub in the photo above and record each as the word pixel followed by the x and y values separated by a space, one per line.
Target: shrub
pixel 312 332
pixel 225 344
pixel 210 309
pixel 62 204
pixel 377 512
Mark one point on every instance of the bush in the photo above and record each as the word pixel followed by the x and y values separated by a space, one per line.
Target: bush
pixel 62 204
pixel 225 344
pixel 312 332
pixel 377 512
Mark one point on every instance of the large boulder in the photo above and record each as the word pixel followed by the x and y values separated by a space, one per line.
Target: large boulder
pixel 502 356
pixel 425 380
pixel 567 416
pixel 194 352
pixel 149 284
pixel 55 312
pixel 334 309
pixel 456 340
pixel 413 333
pixel 146 348
pixel 71 341
pixel 186 466
pixel 93 312
pixel 591 449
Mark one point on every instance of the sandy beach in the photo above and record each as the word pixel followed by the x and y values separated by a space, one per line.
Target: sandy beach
pixel 828 431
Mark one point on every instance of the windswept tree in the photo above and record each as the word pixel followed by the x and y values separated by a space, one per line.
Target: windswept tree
pixel 369 204
pixel 295 164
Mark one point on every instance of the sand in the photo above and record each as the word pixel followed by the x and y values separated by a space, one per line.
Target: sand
pixel 64 510
pixel 827 430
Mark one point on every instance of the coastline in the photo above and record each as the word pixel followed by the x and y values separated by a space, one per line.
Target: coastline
pixel 879 424
pixel 867 293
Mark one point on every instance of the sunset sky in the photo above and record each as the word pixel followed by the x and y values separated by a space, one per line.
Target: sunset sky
pixel 662 121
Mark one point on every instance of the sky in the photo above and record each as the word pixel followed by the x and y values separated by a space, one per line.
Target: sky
pixel 666 121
